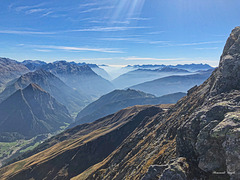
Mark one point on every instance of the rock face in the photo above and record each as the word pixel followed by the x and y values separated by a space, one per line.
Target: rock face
pixel 9 70
pixel 31 112
pixel 211 133
pixel 197 138
pixel 120 99
pixel 72 99
pixel 228 73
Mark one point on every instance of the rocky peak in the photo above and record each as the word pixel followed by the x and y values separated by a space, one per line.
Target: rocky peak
pixel 233 43
pixel 33 87
pixel 227 75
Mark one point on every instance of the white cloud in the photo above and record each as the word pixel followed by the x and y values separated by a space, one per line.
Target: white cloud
pixel 21 8
pixel 97 9
pixel 190 44
pixel 31 11
pixel 107 29
pixel 155 32
pixel 47 13
pixel 76 49
pixel 25 32
pixel 207 48
pixel 88 4
pixel 42 50
pixel 140 19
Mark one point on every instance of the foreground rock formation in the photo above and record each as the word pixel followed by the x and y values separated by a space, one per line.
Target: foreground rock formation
pixel 198 138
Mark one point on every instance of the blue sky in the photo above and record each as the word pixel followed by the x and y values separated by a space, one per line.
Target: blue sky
pixel 117 32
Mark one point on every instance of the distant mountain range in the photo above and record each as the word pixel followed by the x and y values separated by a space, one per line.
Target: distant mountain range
pixel 33 65
pixel 173 84
pixel 36 65
pixel 119 99
pixel 142 75
pixel 189 67
pixel 69 97
pixel 81 78
pixel 30 112
pixel 9 70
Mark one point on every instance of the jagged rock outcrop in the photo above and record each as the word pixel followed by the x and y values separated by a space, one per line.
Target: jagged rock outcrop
pixel 211 134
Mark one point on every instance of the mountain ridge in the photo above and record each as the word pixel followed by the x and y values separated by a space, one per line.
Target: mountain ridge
pixel 34 113
pixel 82 78
pixel 170 84
pixel 120 99
pixel 72 99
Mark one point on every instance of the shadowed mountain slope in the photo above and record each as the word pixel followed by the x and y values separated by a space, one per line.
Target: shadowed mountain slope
pixel 72 99
pixel 89 142
pixel 32 111
pixel 119 99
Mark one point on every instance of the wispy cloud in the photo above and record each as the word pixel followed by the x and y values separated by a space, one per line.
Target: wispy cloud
pixel 207 48
pixel 155 32
pixel 42 50
pixel 108 29
pixel 94 29
pixel 120 22
pixel 200 43
pixel 166 44
pixel 22 8
pixel 139 19
pixel 88 4
pixel 47 13
pixel 25 32
pixel 76 49
pixel 97 9
pixel 160 42
pixel 31 11
pixel 136 40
